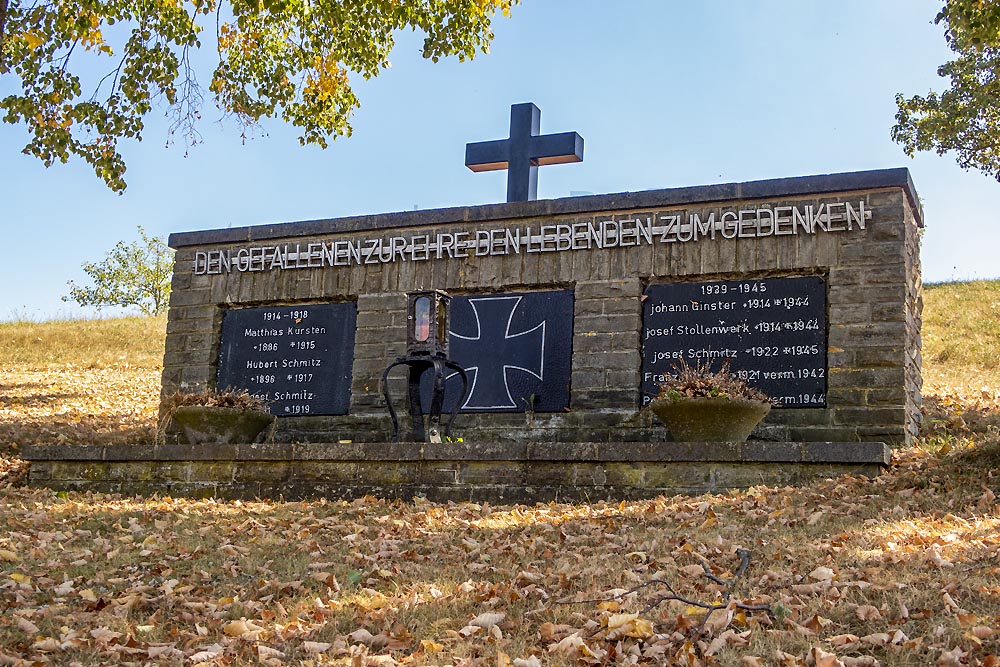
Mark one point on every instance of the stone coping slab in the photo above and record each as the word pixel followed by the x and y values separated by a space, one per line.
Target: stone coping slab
pixel 702 194
pixel 754 451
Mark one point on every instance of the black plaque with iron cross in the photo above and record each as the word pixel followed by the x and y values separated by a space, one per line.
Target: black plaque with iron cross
pixel 516 348
pixel 523 152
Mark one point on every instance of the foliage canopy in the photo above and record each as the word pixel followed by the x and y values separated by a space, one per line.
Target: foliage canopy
pixel 276 58
pixel 966 117
pixel 131 274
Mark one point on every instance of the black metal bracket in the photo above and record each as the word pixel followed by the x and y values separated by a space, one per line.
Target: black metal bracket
pixel 418 365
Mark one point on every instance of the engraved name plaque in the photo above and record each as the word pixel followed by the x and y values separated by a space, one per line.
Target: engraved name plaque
pixel 772 331
pixel 296 358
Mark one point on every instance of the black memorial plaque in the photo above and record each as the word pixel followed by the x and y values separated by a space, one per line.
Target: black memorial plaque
pixel 517 349
pixel 771 330
pixel 297 358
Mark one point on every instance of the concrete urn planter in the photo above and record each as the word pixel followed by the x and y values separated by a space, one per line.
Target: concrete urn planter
pixel 199 424
pixel 697 419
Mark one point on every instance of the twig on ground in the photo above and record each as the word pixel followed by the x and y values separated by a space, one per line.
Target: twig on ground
pixel 672 595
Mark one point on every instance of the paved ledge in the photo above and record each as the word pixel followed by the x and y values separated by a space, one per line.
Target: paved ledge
pixel 622 201
pixel 497 472
pixel 754 451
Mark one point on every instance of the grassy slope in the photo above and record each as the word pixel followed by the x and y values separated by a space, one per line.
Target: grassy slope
pixel 80 381
pixel 136 341
pixel 900 570
pixel 961 334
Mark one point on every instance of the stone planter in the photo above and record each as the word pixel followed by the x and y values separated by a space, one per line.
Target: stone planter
pixel 710 419
pixel 199 424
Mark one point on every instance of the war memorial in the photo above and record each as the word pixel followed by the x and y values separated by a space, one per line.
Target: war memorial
pixel 564 317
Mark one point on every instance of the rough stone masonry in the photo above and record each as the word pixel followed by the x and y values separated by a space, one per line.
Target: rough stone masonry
pixel 856 232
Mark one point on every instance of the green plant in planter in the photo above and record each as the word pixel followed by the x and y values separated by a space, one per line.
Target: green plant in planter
pixel 215 417
pixel 699 405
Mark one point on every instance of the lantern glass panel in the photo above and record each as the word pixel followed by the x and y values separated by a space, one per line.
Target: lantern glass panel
pixel 442 323
pixel 422 319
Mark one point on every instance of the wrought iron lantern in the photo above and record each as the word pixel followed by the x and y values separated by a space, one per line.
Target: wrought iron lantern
pixel 427 324
pixel 427 315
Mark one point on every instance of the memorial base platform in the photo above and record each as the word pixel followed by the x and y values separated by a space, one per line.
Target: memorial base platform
pixel 499 472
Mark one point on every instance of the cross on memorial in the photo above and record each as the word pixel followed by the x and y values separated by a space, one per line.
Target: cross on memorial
pixel 499 353
pixel 523 152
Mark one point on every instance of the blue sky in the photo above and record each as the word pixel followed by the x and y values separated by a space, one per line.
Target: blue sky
pixel 665 94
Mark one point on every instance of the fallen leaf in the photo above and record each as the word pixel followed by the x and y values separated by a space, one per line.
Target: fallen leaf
pixel 26 626
pixel 860 661
pixel 316 647
pixel 867 612
pixel 487 620
pixel 429 646
pixel 206 653
pixel 952 658
pixel 530 661
pixel 268 652
pixel 821 658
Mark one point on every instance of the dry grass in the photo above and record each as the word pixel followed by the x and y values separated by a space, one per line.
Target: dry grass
pixel 83 381
pixel 900 570
pixel 961 334
pixel 97 343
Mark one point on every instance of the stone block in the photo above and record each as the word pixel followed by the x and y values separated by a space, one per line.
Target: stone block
pixel 550 473
pixel 856 336
pixel 823 433
pixel 846 452
pixel 210 471
pixel 329 472
pixel 588 378
pixel 591 341
pixel 262 471
pixel 129 471
pixel 202 452
pixel 476 450
pixel 759 451
pixel 670 477
pixel 562 451
pixel 62 452
pixel 745 475
pixel 880 356
pixel 269 451
pixel 600 289
pixel 622 306
pixel 607 324
pixel 196 490
pixel 388 472
pixel 91 471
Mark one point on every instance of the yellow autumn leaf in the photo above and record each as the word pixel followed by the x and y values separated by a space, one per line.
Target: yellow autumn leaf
pixel 8 556
pixel 618 620
pixel 640 628
pixel 20 578
pixel 33 40
pixel 88 595
pixel 429 646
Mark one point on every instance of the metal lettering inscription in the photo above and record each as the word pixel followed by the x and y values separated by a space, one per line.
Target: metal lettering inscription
pixel 640 230
pixel 772 331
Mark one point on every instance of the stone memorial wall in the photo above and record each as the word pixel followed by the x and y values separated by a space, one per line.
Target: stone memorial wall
pixel 568 311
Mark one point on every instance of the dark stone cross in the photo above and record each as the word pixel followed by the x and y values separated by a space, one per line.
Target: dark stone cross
pixel 523 152
pixel 502 357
